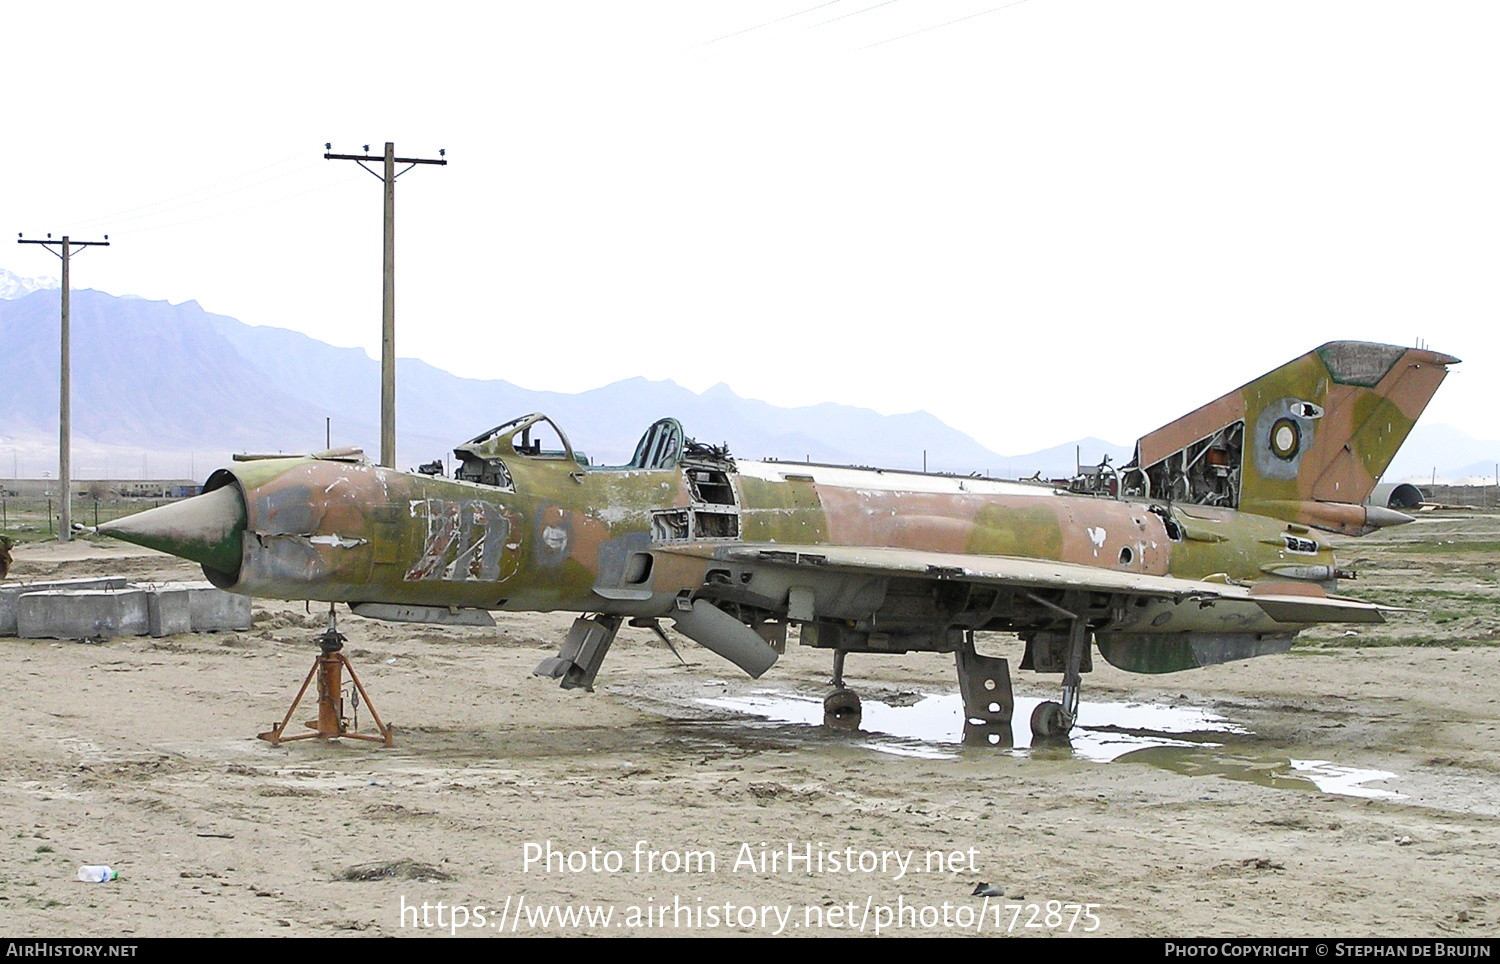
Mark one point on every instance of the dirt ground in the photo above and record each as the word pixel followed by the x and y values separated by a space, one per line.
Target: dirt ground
pixel 1348 788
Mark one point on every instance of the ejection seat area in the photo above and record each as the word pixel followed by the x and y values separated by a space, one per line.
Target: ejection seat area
pixel 660 448
pixel 535 436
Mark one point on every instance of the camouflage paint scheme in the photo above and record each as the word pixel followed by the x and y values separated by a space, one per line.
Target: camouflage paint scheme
pixel 864 560
pixel 1345 407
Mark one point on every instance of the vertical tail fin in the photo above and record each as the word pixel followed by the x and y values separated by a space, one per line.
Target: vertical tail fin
pixel 1306 442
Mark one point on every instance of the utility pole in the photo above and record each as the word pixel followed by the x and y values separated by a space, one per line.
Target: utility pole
pixel 388 287
pixel 65 403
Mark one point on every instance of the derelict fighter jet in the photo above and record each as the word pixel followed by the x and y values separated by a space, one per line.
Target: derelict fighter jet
pixel 1206 548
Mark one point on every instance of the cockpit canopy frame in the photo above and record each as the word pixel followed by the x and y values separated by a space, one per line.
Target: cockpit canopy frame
pixel 502 442
pixel 664 447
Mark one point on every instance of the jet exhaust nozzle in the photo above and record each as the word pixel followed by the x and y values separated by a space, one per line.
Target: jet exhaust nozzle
pixel 207 529
pixel 715 630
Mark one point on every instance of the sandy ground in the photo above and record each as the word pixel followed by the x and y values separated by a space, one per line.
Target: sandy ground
pixel 1349 788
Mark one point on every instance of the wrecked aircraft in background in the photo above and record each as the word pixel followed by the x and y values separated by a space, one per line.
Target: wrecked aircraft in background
pixel 1205 549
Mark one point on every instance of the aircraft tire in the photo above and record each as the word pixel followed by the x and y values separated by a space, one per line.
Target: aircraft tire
pixel 1047 721
pixel 841 709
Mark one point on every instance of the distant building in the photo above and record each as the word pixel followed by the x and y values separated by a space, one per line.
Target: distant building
pixel 108 488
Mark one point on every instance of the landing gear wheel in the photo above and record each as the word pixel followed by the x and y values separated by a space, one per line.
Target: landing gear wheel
pixel 1048 721
pixel 841 709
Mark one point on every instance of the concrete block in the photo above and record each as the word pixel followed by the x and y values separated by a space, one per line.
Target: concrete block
pixel 11 593
pixel 82 614
pixel 214 610
pixel 168 610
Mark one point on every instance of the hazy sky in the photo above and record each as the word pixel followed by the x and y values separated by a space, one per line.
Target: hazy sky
pixel 1037 220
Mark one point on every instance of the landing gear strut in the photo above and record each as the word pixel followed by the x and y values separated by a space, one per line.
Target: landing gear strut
pixel 841 708
pixel 1054 720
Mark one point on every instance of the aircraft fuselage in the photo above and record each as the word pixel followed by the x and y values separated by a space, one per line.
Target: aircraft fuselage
pixel 562 537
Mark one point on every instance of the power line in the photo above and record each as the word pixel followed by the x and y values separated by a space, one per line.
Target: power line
pixel 768 23
pixel 257 205
pixel 846 16
pixel 206 187
pixel 214 197
pixel 940 25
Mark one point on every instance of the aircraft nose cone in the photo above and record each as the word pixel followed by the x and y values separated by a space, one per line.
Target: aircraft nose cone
pixel 206 529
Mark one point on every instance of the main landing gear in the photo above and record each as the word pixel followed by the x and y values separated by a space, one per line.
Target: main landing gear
pixel 1053 721
pixel 841 708
pixel 984 682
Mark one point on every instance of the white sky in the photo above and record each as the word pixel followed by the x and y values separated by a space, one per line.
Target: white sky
pixel 1051 219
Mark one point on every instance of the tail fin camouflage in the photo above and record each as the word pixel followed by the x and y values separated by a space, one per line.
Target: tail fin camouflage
pixel 1305 443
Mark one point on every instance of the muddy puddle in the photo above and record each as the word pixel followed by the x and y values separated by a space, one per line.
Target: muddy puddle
pixel 1187 740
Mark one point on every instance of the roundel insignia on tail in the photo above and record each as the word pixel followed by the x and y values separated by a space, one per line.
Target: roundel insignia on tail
pixel 1316 433
pixel 1285 438
pixel 1282 436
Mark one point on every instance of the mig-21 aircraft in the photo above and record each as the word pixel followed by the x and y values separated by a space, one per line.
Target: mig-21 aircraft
pixel 1207 547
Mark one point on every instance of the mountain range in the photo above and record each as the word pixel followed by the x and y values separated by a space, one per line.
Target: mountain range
pixel 170 390
pixel 15 286
pixel 158 384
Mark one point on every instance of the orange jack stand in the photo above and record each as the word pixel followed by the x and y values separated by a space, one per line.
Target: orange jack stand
pixel 331 723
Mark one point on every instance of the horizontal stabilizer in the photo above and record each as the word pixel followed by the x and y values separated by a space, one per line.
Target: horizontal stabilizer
pixel 1310 609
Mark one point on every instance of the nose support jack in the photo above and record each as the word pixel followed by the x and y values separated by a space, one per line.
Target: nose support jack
pixel 331 723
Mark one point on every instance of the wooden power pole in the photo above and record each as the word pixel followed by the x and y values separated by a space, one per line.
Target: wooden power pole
pixel 388 286
pixel 65 401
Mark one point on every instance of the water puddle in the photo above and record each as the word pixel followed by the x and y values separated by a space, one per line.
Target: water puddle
pixel 1345 781
pixel 1270 771
pixel 1105 731
pixel 1186 740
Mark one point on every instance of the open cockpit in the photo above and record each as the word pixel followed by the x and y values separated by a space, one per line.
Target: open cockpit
pixel 483 459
